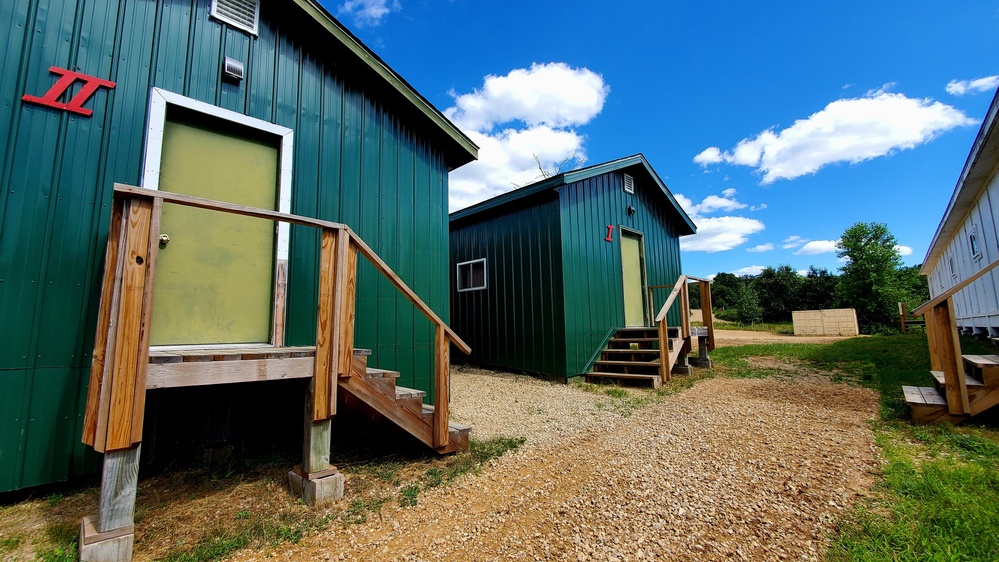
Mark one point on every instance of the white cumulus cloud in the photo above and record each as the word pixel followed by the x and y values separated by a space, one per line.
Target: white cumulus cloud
pixel 513 118
pixel 368 12
pixel 749 270
pixel 717 234
pixel 975 85
pixel 793 242
pixel 815 247
pixel 903 250
pixel 761 248
pixel 846 130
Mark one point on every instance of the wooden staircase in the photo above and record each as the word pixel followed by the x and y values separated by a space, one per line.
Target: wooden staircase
pixel 634 354
pixel 375 393
pixel 929 404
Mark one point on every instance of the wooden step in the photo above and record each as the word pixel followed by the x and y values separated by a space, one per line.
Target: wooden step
pixel 626 363
pixel 987 366
pixel 654 379
pixel 645 350
pixel 402 393
pixel 969 381
pixel 633 340
pixel 373 373
pixel 928 405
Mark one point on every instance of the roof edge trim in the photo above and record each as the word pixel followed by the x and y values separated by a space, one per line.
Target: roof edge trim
pixel 960 197
pixel 370 59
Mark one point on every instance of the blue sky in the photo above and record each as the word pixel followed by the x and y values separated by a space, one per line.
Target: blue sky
pixel 778 125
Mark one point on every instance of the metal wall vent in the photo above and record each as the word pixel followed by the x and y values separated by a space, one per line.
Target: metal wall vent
pixel 242 14
pixel 232 69
pixel 629 184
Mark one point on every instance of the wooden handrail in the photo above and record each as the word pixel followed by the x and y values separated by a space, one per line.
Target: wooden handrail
pixel 335 331
pixel 681 283
pixel 385 270
pixel 380 265
pixel 921 309
pixel 213 205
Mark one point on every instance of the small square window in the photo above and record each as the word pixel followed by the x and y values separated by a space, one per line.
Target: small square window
pixel 472 275
pixel 976 250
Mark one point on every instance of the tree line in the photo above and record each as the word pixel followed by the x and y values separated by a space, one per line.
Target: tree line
pixel 873 280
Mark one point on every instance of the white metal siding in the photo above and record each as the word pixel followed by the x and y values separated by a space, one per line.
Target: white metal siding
pixel 976 306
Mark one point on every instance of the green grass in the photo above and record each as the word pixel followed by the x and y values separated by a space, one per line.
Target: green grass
pixel 937 501
pixel 939 493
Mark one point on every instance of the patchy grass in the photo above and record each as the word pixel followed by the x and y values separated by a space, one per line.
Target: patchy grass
pixel 624 401
pixel 780 328
pixel 937 500
pixel 884 363
pixel 212 512
pixel 940 487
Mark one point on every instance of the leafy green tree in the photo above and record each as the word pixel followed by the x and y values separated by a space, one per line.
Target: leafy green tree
pixel 747 304
pixel 777 290
pixel 870 280
pixel 817 290
pixel 916 286
pixel 723 290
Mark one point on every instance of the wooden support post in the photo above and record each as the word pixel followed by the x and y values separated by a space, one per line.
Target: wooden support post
pixel 665 365
pixel 707 314
pixel 111 535
pixel 902 316
pixel 442 370
pixel 949 346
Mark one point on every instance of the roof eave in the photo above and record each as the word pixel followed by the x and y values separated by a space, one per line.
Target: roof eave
pixel 979 167
pixel 467 151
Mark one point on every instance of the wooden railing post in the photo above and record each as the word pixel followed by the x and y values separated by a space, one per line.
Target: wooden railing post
pixel 665 364
pixel 327 331
pixel 707 314
pixel 442 370
pixel 948 346
pixel 117 393
pixel 901 317
pixel 116 396
pixel 685 320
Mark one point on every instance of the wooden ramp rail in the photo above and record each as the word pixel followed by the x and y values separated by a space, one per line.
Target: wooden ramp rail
pixel 670 357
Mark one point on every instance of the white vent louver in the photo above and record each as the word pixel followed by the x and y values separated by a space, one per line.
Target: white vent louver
pixel 629 184
pixel 232 69
pixel 241 14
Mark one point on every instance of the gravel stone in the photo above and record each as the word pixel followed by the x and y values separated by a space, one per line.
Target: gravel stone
pixel 742 469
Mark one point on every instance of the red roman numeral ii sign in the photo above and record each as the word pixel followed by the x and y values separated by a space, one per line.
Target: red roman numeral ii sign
pixel 66 80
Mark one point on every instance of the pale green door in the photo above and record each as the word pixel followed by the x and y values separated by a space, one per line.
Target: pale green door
pixel 214 278
pixel 631 266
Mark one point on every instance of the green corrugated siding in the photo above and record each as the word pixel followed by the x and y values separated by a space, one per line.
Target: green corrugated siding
pixel 514 323
pixel 358 159
pixel 594 294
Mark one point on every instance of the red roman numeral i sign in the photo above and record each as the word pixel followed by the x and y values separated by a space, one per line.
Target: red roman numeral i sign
pixel 66 80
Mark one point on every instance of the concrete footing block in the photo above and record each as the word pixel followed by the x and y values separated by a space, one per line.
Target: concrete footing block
pixel 316 491
pixel 702 362
pixel 682 370
pixel 112 546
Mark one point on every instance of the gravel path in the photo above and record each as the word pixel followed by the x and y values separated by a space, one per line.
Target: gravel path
pixel 729 469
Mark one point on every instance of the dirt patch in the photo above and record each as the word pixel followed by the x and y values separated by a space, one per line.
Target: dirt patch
pixel 746 337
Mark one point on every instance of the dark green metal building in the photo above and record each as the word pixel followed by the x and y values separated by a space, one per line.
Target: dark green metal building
pixel 367 151
pixel 539 277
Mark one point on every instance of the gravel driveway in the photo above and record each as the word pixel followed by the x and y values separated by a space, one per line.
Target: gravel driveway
pixel 742 469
